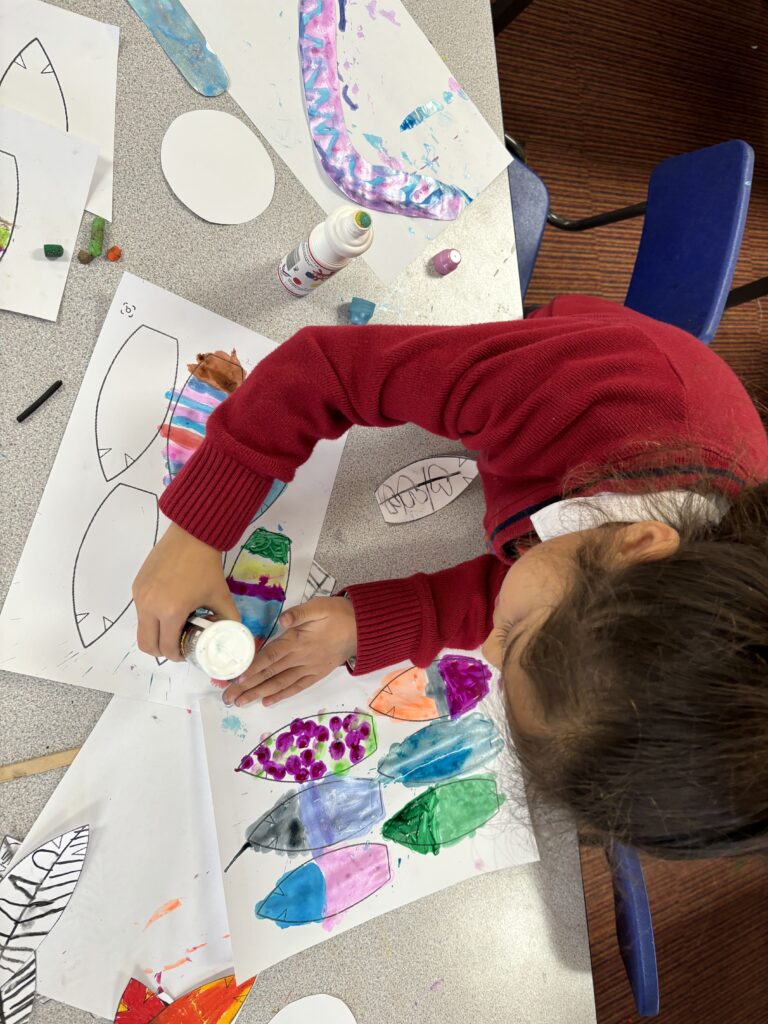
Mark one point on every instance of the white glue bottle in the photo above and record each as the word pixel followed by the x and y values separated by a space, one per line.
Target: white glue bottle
pixel 347 233
pixel 222 648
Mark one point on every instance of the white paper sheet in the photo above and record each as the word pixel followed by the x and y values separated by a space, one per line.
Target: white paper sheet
pixel 44 180
pixel 320 1009
pixel 140 782
pixel 258 45
pixel 217 167
pixel 98 516
pixel 240 800
pixel 62 69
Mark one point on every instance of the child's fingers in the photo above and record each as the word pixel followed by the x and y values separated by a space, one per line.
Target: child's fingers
pixel 302 684
pixel 274 685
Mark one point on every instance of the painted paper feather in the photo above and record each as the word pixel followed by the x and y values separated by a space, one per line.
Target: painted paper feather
pixel 211 379
pixel 259 580
pixel 309 748
pixel 217 1002
pixel 328 885
pixel 424 487
pixel 442 750
pixel 449 688
pixel 17 994
pixel 315 817
pixel 34 895
pixel 387 186
pixel 128 417
pixel 444 815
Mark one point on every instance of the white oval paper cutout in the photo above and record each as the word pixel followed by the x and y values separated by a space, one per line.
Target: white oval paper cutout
pixel 30 84
pixel 320 1009
pixel 118 538
pixel 217 167
pixel 9 199
pixel 128 413
pixel 424 487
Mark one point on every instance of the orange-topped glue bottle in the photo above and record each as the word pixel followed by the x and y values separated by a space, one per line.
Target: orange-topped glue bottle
pixel 347 233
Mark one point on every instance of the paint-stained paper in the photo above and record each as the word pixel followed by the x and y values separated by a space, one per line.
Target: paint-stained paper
pixel 150 899
pixel 419 123
pixel 61 68
pixel 137 419
pixel 292 854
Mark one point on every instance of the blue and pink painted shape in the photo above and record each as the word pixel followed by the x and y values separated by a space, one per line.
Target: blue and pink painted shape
pixel 323 888
pixel 385 186
pixel 449 688
pixel 441 751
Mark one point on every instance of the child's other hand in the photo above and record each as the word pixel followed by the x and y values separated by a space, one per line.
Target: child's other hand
pixel 319 636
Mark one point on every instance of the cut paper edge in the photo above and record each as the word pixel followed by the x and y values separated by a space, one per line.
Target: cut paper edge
pixel 8 848
pixel 319 1009
pixel 320 583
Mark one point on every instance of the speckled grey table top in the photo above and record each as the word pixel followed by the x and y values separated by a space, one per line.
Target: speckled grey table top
pixel 511 946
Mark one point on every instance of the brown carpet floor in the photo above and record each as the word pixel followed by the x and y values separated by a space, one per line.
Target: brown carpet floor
pixel 599 92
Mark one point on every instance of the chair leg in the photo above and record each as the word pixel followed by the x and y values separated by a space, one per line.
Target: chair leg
pixel 747 293
pixel 598 220
pixel 504 12
pixel 517 150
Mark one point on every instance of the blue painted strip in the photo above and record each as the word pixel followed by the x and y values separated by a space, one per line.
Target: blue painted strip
pixel 182 421
pixel 184 43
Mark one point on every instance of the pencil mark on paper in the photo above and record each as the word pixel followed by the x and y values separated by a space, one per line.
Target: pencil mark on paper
pixel 129 416
pixel 119 536
pixel 30 84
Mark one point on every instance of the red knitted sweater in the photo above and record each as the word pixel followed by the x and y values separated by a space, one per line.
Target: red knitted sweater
pixel 581 381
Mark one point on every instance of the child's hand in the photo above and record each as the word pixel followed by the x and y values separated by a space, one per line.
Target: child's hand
pixel 320 635
pixel 179 575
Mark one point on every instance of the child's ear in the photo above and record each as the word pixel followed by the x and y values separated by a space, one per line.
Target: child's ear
pixel 646 542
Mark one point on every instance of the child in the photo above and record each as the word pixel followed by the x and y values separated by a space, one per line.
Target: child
pixel 630 623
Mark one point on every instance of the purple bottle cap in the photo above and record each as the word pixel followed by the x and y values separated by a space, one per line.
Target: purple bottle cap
pixel 446 261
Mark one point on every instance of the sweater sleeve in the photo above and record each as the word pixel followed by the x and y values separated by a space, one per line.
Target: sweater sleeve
pixel 413 619
pixel 318 384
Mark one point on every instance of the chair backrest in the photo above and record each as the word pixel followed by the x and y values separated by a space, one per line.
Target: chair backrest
pixel 694 222
pixel 634 927
pixel 530 205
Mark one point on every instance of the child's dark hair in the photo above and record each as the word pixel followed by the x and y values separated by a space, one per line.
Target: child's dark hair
pixel 652 686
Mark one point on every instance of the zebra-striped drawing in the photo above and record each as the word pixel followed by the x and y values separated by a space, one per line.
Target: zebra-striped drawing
pixel 17 995
pixel 8 849
pixel 33 896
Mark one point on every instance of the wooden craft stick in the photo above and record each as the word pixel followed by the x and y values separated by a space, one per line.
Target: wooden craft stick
pixel 38 765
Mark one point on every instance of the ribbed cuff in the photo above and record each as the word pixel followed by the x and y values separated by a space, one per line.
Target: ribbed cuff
pixel 388 615
pixel 214 497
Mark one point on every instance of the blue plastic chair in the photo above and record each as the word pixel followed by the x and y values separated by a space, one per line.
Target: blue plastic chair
pixel 634 927
pixel 694 222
